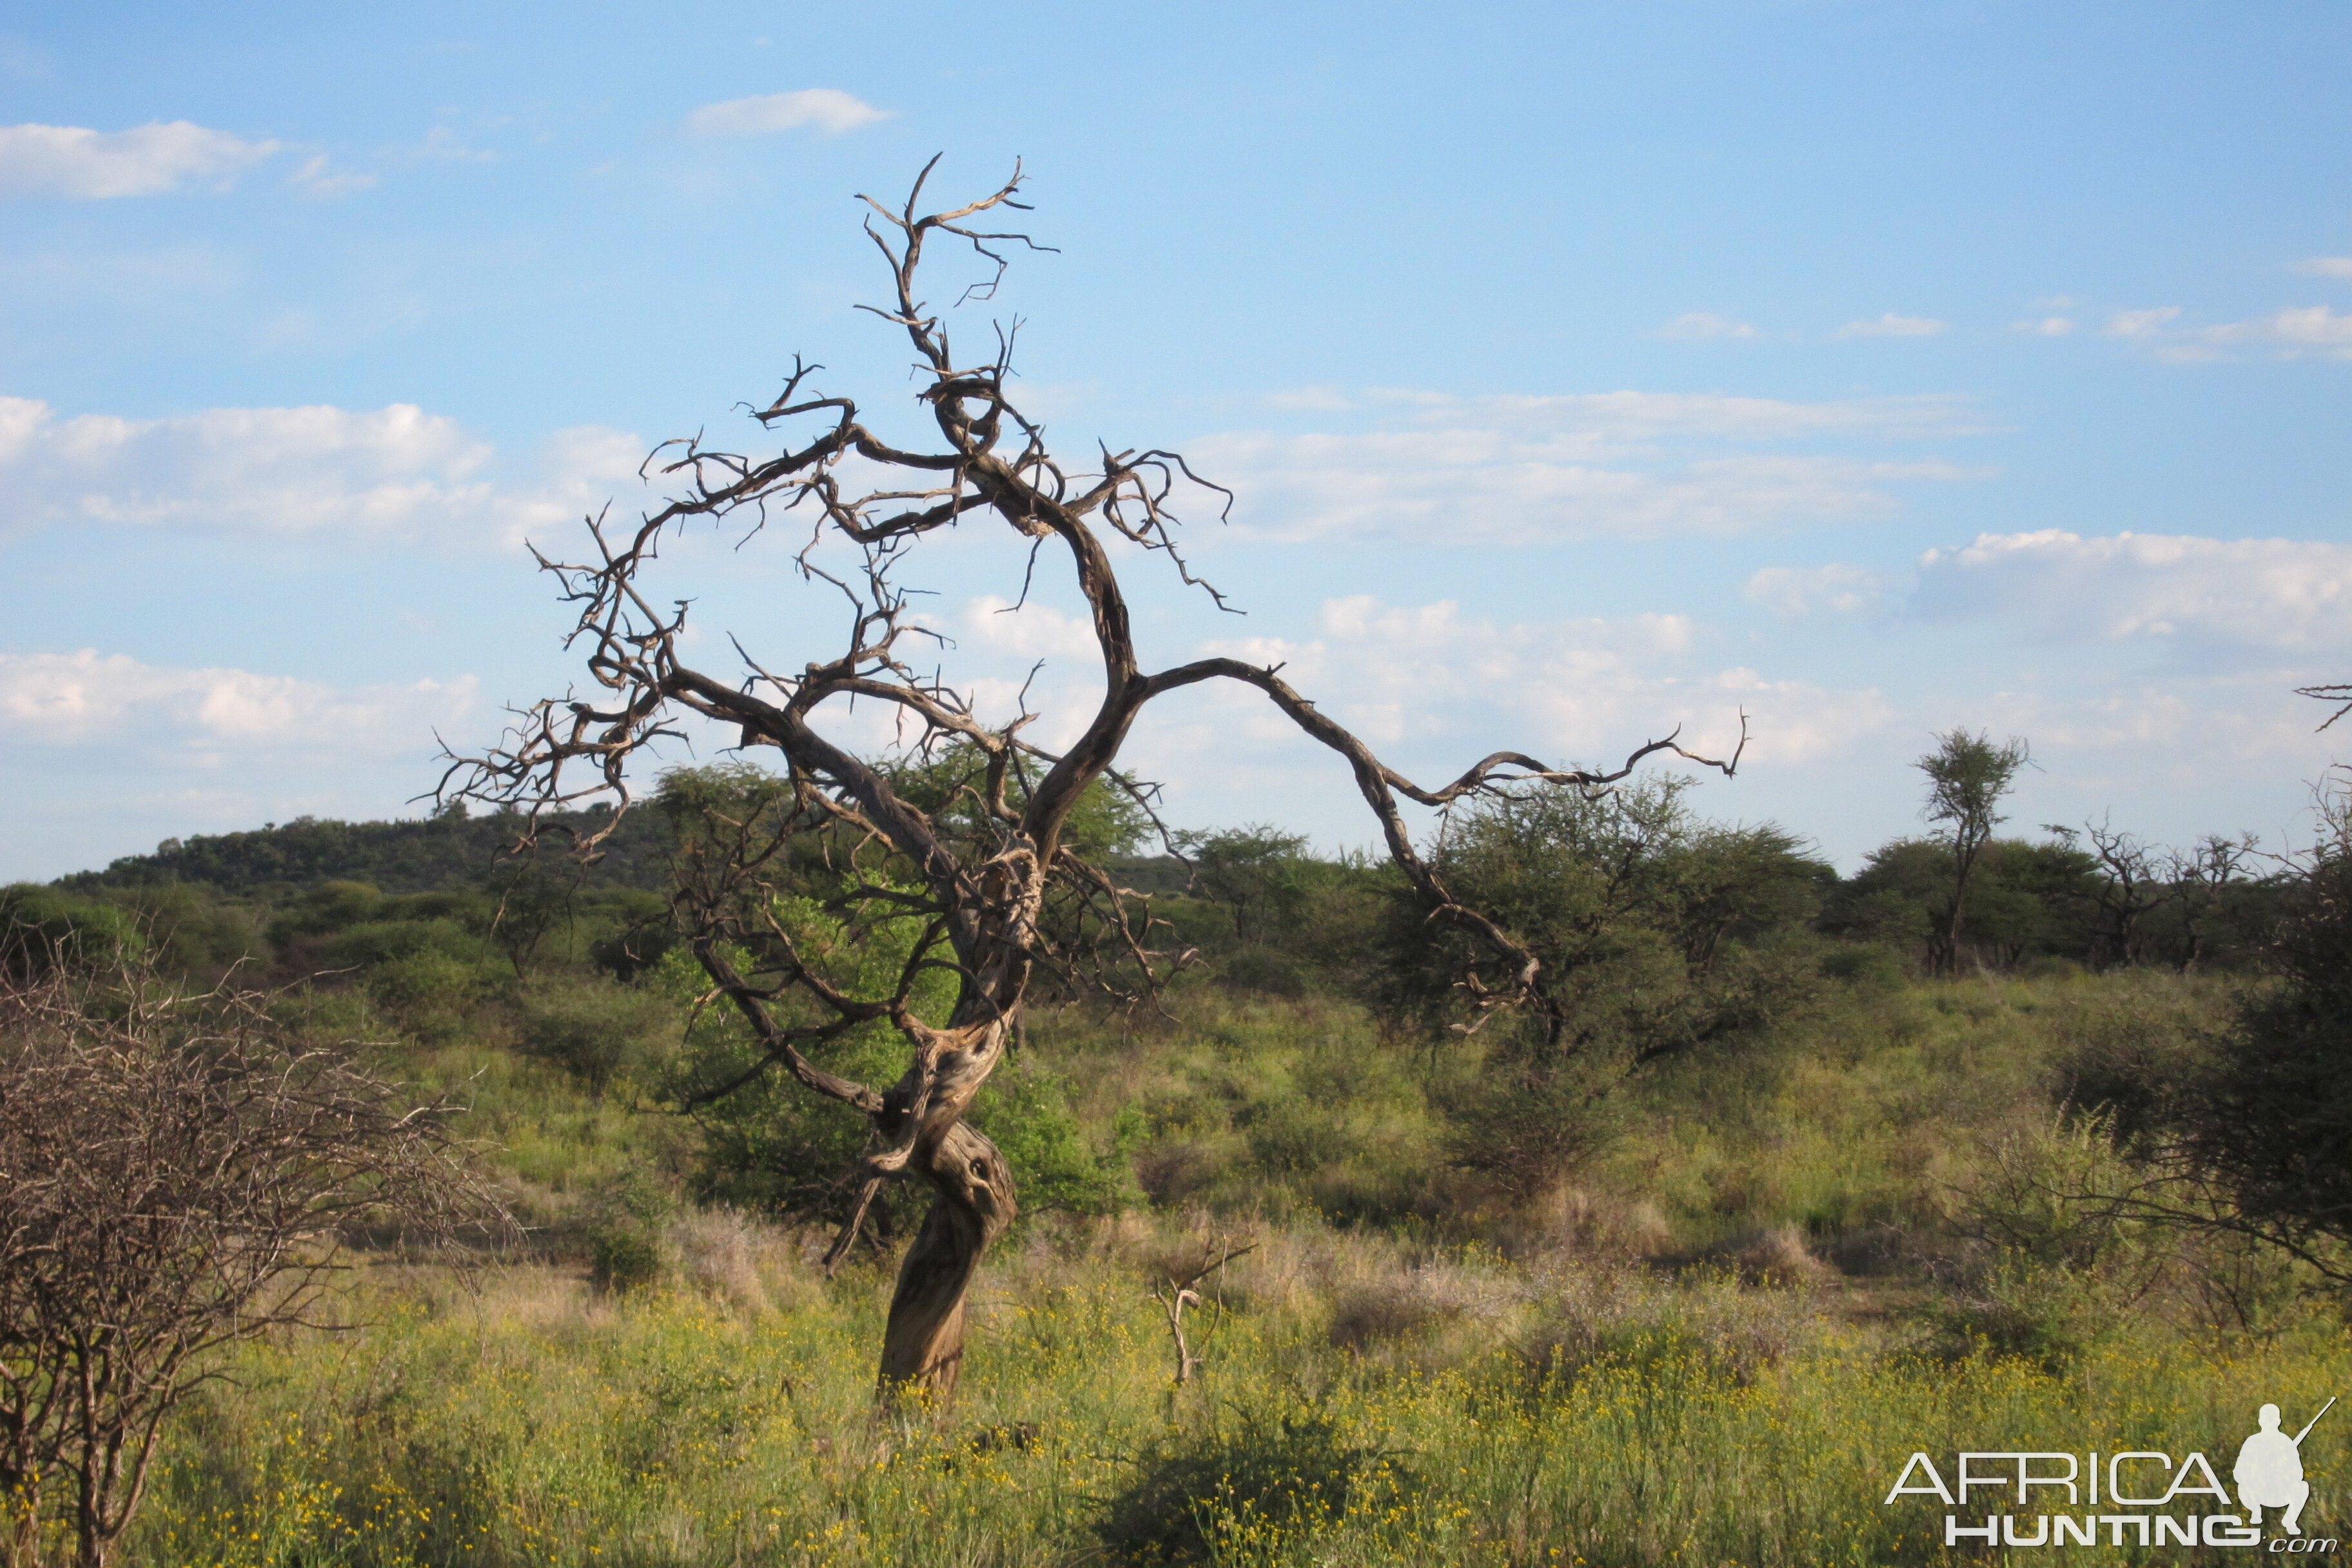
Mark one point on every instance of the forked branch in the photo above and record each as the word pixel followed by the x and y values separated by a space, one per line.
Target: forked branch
pixel 976 863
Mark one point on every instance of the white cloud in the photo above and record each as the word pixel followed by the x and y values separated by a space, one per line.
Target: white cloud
pixel 1792 591
pixel 393 472
pixel 444 145
pixel 1891 325
pixel 2184 735
pixel 2294 331
pixel 828 109
pixel 1700 325
pixel 318 179
pixel 2047 327
pixel 147 160
pixel 1429 685
pixel 1492 487
pixel 1528 469
pixel 88 699
pixel 2140 323
pixel 1312 400
pixel 2254 593
pixel 1603 423
pixel 1429 680
pixel 1032 631
pixel 2327 265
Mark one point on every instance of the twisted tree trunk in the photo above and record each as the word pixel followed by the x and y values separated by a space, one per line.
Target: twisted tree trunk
pixel 922 1347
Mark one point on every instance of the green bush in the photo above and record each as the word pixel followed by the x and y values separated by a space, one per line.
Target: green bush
pixel 593 1029
pixel 626 1217
pixel 1250 1486
pixel 770 1145
pixel 41 928
pixel 431 993
pixel 2048 1316
pixel 1867 966
pixel 1025 1111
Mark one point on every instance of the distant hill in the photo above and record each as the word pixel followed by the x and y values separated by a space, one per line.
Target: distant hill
pixel 410 857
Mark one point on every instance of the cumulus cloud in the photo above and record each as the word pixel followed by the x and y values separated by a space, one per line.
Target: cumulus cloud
pixel 2294 331
pixel 1603 423
pixel 75 161
pixel 2184 734
pixel 318 179
pixel 1484 486
pixel 1792 591
pixel 2254 593
pixel 825 109
pixel 88 699
pixel 1428 677
pixel 2327 265
pixel 2046 327
pixel 1699 325
pixel 392 472
pixel 1430 685
pixel 1026 631
pixel 2141 323
pixel 1891 325
pixel 1540 468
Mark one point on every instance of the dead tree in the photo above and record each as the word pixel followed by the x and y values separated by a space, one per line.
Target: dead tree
pixel 2131 882
pixel 978 870
pixel 1182 1293
pixel 2201 881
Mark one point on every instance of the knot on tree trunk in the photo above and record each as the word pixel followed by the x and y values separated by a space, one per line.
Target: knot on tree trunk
pixel 973 1204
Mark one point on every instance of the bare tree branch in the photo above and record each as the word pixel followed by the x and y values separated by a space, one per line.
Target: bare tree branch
pixel 986 863
pixel 176 1174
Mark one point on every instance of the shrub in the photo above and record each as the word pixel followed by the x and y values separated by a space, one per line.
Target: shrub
pixel 1026 1112
pixel 595 1028
pixel 1256 1482
pixel 623 1256
pixel 176 1174
pixel 1866 967
pixel 43 931
pixel 2273 1120
pixel 626 1217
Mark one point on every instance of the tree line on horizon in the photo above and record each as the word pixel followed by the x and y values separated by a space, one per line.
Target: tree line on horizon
pixel 1260 905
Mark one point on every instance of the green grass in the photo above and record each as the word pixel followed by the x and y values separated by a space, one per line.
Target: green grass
pixel 1528 1412
pixel 1653 1363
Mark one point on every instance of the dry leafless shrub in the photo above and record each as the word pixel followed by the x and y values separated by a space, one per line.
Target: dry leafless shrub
pixel 177 1173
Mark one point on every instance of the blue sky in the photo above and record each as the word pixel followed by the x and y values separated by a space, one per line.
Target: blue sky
pixel 1580 371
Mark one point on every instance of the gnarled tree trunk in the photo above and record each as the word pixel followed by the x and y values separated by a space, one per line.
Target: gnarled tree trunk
pixel 922 1347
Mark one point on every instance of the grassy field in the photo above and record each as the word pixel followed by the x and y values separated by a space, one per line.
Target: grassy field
pixel 1716 1341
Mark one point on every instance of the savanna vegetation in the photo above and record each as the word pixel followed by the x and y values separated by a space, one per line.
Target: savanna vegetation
pixel 1677 1269
pixel 1592 1180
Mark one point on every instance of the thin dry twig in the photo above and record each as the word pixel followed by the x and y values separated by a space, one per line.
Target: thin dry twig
pixel 987 863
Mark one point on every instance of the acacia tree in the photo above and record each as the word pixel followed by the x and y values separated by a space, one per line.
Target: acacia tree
pixel 981 866
pixel 2203 878
pixel 1967 776
pixel 2130 881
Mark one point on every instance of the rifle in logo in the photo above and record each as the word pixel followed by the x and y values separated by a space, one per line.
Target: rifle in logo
pixel 2269 1471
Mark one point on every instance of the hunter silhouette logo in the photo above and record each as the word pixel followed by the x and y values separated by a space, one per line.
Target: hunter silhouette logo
pixel 2269 1471
pixel 2136 1497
